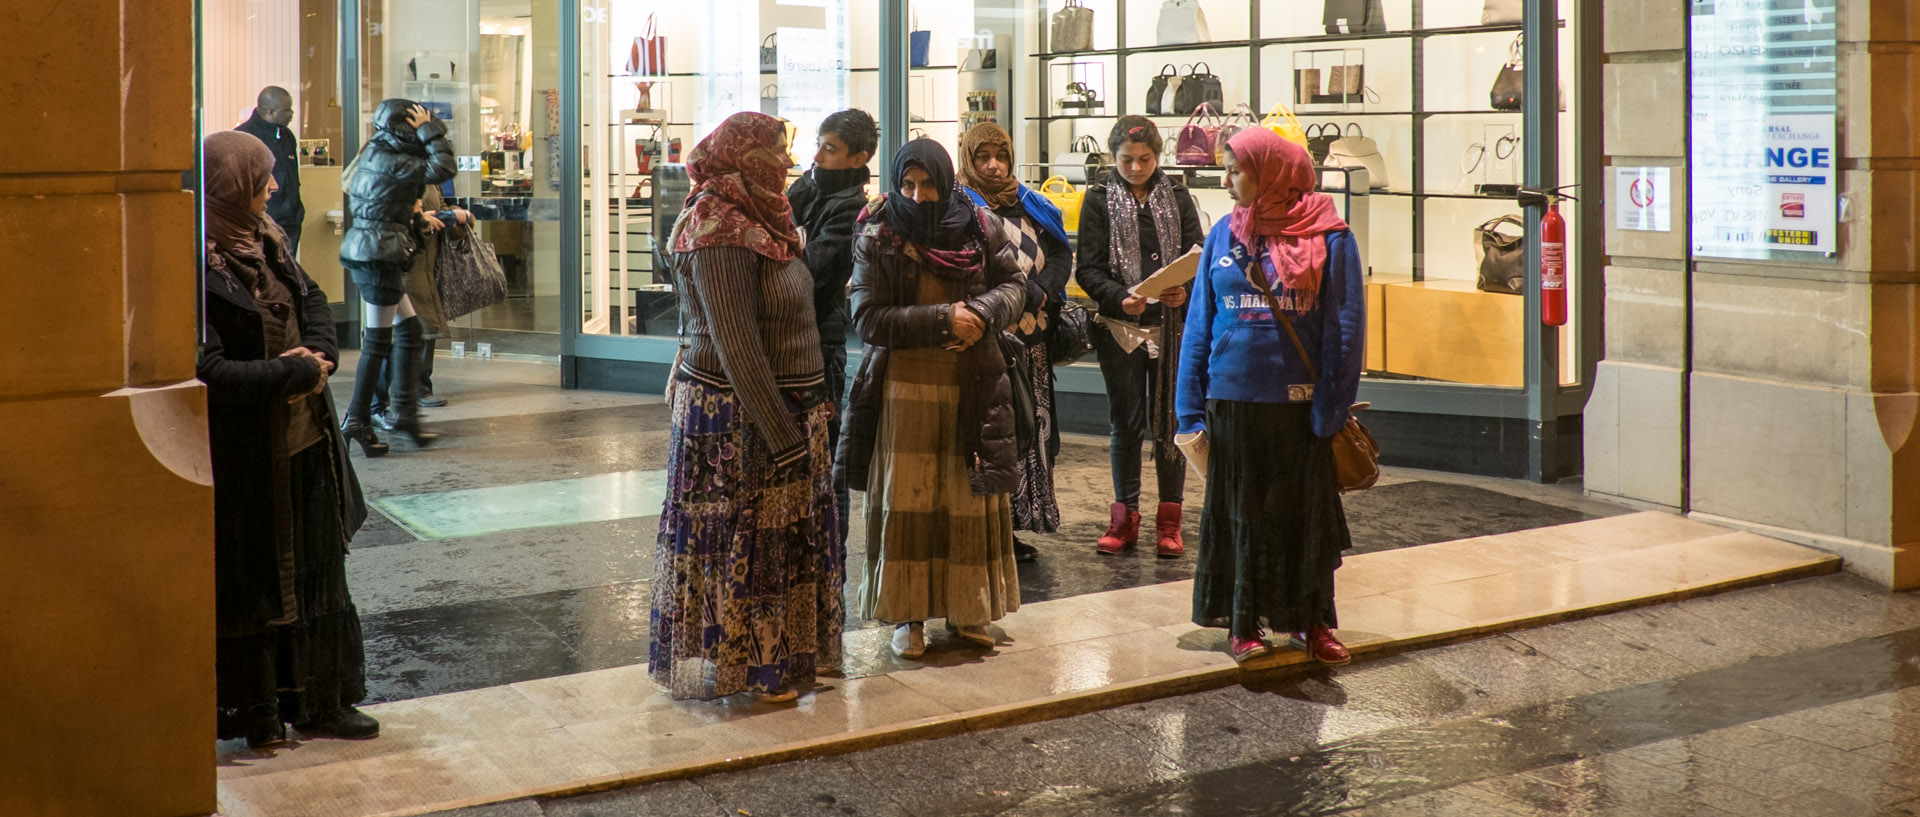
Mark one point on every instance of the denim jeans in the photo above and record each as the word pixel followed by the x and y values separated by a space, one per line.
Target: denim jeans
pixel 1129 402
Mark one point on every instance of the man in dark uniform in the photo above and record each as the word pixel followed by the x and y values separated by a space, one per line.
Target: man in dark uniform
pixel 272 113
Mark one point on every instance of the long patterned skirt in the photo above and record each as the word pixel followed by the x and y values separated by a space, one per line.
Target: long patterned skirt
pixel 748 570
pixel 1035 508
pixel 934 549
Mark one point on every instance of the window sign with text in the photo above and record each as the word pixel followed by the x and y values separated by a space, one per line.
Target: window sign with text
pixel 1765 147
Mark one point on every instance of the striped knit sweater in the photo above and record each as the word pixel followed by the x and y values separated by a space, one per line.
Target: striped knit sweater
pixel 750 328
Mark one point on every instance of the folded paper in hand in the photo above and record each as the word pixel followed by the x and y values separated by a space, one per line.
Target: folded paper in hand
pixel 1174 274
pixel 1193 445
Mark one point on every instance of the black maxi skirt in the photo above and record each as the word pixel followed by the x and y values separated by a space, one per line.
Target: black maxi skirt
pixel 317 665
pixel 1272 529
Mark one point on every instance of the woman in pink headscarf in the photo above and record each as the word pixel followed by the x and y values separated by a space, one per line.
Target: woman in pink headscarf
pixel 1269 399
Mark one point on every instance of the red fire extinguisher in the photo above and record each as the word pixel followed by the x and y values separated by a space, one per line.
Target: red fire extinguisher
pixel 1553 264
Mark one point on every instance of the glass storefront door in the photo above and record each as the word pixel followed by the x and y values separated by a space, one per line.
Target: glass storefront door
pixel 490 68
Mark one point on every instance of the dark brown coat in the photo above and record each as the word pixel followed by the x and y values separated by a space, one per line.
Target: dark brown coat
pixel 887 314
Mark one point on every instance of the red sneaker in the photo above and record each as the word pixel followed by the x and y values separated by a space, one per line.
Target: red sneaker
pixel 1166 526
pixel 1247 649
pixel 1320 643
pixel 1122 531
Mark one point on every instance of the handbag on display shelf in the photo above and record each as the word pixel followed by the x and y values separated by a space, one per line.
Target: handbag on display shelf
pixel 1083 164
pixel 1345 83
pixel 1355 149
pixel 1066 197
pixel 1162 89
pixel 1072 336
pixel 1282 121
pixel 648 55
pixel 1501 257
pixel 770 100
pixel 1320 138
pixel 919 43
pixel 1237 120
pixel 1353 17
pixel 1081 98
pixel 1182 22
pixel 1199 87
pixel 980 59
pixel 1195 145
pixel 1072 28
pixel 1356 455
pixel 1306 85
pixel 467 273
pixel 1509 91
pixel 1501 12
pixel 770 53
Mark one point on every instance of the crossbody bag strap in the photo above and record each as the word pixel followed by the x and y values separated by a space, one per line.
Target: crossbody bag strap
pixel 1273 306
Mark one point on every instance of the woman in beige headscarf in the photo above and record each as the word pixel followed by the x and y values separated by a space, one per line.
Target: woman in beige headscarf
pixel 285 500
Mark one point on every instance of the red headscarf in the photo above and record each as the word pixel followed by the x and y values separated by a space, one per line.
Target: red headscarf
pixel 743 171
pixel 1287 214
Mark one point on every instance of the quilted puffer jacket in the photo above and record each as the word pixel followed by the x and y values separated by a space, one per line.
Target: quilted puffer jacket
pixel 389 175
pixel 888 315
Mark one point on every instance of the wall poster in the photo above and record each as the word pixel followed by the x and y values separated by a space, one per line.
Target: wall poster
pixel 1765 145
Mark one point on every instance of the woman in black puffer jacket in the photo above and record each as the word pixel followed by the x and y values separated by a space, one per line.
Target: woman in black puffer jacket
pixel 930 432
pixel 408 152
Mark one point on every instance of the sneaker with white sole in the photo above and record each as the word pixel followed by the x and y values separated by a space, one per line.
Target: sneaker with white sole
pixel 910 640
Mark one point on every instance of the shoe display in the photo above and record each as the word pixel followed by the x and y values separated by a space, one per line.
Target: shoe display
pixel 346 724
pixel 1166 527
pixel 910 640
pixel 1123 529
pixel 976 635
pixel 431 400
pixel 1247 649
pixel 1320 643
pixel 1025 553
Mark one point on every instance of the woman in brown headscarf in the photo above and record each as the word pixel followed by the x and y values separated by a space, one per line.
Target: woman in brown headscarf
pixel 986 169
pixel 285 499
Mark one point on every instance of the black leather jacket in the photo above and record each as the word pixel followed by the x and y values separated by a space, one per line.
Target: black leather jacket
pixel 888 315
pixel 391 173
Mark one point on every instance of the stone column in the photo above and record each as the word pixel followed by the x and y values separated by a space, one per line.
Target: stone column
pixel 106 505
pixel 1799 399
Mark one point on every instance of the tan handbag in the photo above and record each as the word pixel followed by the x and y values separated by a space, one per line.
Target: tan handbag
pixel 1356 456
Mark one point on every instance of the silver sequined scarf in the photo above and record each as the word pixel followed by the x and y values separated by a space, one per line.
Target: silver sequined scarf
pixel 1123 255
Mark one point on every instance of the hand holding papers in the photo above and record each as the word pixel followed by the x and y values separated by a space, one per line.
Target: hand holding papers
pixel 1174 274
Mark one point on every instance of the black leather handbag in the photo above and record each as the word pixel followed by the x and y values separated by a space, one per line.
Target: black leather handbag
pixel 1157 89
pixel 1353 17
pixel 1320 139
pixel 1026 416
pixel 1502 257
pixel 1198 87
pixel 1071 337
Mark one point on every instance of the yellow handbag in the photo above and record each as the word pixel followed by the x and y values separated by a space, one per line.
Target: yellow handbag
pixel 1282 121
pixel 1066 198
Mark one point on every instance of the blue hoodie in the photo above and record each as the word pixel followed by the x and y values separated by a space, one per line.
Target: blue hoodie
pixel 1233 351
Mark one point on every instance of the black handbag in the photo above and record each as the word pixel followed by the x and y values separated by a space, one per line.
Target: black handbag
pixel 1072 335
pixel 1198 88
pixel 1353 17
pixel 1157 89
pixel 1026 416
pixel 1502 257
pixel 1320 139
pixel 467 273
pixel 1509 91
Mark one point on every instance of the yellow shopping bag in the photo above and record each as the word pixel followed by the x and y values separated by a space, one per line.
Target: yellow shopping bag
pixel 1281 121
pixel 1066 198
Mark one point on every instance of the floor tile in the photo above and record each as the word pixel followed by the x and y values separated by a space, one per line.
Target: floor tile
pixel 1602 537
pixel 605 626
pixel 415 653
pixel 1539 591
pixel 995 680
pixel 452 514
pixel 1710 559
pixel 440 721
pixel 1369 619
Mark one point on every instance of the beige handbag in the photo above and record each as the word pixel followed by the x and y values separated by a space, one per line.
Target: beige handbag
pixel 1356 150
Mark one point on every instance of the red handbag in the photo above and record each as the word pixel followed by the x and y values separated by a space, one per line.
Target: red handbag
pixel 1194 146
pixel 648 56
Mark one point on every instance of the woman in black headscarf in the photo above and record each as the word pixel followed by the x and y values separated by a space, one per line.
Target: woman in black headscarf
pixel 929 433
pixel 408 152
pixel 285 501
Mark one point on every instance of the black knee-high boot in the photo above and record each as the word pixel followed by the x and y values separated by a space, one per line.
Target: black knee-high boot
pixel 376 345
pixel 404 391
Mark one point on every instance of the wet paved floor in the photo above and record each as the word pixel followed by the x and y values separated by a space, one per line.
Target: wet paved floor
pixel 1796 699
pixel 519 547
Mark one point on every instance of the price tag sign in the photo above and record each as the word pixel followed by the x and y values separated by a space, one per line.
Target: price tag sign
pixel 465 163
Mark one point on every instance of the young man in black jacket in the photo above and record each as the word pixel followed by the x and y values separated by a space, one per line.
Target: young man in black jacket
pixel 272 113
pixel 827 199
